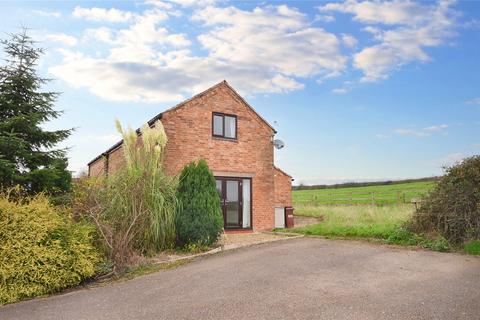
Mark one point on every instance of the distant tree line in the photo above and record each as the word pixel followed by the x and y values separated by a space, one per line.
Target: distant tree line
pixel 362 184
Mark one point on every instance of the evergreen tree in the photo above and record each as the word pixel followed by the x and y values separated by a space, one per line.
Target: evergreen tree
pixel 199 220
pixel 27 151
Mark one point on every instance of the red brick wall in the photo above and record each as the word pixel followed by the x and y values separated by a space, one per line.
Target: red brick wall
pixel 96 168
pixel 283 189
pixel 189 130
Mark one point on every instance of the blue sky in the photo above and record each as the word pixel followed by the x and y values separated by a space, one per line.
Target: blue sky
pixel 358 90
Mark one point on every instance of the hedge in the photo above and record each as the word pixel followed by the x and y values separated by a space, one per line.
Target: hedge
pixel 42 250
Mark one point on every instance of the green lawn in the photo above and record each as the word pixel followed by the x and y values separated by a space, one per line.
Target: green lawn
pixel 380 195
pixel 355 221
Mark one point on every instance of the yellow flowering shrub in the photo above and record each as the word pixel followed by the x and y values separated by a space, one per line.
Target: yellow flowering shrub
pixel 42 250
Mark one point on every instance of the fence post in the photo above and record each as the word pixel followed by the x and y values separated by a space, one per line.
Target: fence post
pixel 373 198
pixel 351 198
pixel 398 197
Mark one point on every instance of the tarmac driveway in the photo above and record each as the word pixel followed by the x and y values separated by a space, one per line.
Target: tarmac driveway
pixel 306 278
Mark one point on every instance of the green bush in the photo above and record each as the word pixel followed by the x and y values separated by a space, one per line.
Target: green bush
pixel 438 243
pixel 472 247
pixel 41 249
pixel 200 219
pixel 452 209
pixel 404 237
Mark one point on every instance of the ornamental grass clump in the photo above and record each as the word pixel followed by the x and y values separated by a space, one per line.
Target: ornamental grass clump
pixel 133 208
pixel 42 249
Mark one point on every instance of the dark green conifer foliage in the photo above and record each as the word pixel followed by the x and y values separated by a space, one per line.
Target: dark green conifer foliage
pixel 27 151
pixel 200 219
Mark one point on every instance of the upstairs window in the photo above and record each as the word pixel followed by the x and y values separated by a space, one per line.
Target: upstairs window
pixel 224 126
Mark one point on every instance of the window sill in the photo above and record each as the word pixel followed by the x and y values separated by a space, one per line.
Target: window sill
pixel 225 139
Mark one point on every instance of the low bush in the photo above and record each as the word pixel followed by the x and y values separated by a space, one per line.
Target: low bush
pixel 472 247
pixel 42 250
pixel 199 219
pixel 437 243
pixel 403 236
pixel 452 209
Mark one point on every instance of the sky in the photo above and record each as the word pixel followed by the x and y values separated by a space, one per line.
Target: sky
pixel 357 90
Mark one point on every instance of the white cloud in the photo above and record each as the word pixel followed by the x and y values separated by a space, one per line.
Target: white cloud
pixel 44 13
pixel 324 18
pixel 411 27
pixel 260 51
pixel 167 6
pixel 385 12
pixel 101 14
pixel 192 3
pixel 272 38
pixel 382 136
pixel 474 101
pixel 424 132
pixel 340 90
pixel 349 40
pixel 286 83
pixel 102 34
pixel 435 128
pixel 62 38
pixel 178 74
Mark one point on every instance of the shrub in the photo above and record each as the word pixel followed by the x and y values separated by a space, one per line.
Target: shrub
pixel 403 236
pixel 134 208
pixel 452 209
pixel 41 249
pixel 438 243
pixel 472 247
pixel 199 219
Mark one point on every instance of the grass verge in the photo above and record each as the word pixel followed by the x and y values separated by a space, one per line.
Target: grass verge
pixel 386 224
pixel 148 268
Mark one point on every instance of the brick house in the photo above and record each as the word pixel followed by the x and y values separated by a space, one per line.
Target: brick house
pixel 219 126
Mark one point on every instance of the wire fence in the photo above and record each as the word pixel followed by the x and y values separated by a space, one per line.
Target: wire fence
pixel 361 198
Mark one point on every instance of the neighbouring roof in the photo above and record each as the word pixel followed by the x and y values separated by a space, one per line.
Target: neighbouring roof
pixel 281 171
pixel 159 116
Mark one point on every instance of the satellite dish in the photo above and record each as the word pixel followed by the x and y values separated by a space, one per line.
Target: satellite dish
pixel 279 144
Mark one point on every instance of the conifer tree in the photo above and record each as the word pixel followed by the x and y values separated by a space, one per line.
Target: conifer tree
pixel 28 153
pixel 199 220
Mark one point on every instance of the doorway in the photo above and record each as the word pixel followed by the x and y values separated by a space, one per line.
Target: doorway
pixel 235 195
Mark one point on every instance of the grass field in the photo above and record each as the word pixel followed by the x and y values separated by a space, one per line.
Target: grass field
pixel 355 221
pixel 378 195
